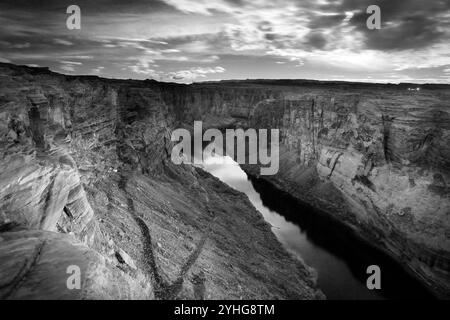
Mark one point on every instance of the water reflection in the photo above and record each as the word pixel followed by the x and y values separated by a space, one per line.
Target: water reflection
pixel 339 258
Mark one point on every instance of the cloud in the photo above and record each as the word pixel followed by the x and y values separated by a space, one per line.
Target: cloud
pixel 69 66
pixel 98 69
pixel 15 45
pixel 194 73
pixel 206 7
pixel 143 67
pixel 405 24
pixel 172 38
pixel 63 42
pixel 316 40
pixel 73 63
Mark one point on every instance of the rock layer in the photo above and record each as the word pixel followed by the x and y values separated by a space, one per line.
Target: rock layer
pixel 91 157
pixel 377 161
pixel 86 180
pixel 37 264
pixel 375 157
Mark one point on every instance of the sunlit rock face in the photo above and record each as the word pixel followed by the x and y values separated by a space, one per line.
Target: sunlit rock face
pixel 86 179
pixel 377 160
pixel 376 157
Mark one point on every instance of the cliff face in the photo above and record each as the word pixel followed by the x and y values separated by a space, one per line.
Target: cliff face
pixel 376 158
pixel 379 162
pixel 86 180
pixel 85 164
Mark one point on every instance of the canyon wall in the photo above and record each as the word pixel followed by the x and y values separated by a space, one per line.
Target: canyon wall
pixel 378 161
pixel 86 180
pixel 89 158
pixel 375 157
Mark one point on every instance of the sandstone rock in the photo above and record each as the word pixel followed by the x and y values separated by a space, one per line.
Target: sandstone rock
pixel 38 192
pixel 364 153
pixel 94 149
pixel 374 148
pixel 123 257
pixel 36 265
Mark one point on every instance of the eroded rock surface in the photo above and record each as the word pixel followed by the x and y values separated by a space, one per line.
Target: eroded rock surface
pixel 37 264
pixel 377 161
pixel 91 157
pixel 375 157
pixel 86 180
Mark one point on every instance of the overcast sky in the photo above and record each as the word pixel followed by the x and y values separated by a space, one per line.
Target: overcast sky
pixel 197 40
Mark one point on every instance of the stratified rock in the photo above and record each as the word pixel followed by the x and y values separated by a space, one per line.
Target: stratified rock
pixel 90 158
pixel 376 161
pixel 42 265
pixel 376 157
pixel 77 150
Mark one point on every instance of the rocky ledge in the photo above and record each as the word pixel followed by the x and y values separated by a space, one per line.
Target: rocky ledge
pixel 86 180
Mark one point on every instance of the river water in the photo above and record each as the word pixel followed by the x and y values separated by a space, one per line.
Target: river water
pixel 340 259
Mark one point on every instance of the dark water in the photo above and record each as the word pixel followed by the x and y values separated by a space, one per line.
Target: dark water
pixel 340 259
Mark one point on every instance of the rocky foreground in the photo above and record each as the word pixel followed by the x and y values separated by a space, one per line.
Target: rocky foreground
pixel 86 179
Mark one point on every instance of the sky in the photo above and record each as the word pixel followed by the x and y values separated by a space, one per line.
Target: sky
pixel 202 40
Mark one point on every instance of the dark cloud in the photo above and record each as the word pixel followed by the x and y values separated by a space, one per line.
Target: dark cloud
pixel 406 24
pixel 270 36
pixel 89 7
pixel 143 38
pixel 316 40
pixel 328 21
pixel 410 32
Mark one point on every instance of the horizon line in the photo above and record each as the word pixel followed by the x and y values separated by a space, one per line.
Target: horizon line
pixel 349 81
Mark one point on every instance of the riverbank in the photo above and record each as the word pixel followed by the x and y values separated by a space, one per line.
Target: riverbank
pixel 339 257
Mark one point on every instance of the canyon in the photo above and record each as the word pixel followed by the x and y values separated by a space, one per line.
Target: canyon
pixel 86 179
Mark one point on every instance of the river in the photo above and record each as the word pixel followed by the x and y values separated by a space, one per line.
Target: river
pixel 340 259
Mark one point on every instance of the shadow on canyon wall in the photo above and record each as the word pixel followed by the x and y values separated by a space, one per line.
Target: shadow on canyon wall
pixel 334 237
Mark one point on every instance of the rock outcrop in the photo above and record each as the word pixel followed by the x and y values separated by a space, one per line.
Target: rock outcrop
pixel 377 161
pixel 86 180
pixel 37 264
pixel 375 157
